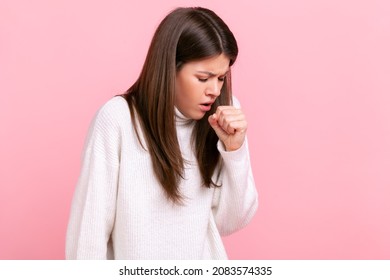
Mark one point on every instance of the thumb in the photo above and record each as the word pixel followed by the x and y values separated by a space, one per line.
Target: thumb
pixel 214 124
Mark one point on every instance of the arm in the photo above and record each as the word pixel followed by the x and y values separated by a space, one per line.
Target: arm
pixel 235 203
pixel 93 207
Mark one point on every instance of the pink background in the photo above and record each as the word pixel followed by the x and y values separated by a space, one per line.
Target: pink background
pixel 313 78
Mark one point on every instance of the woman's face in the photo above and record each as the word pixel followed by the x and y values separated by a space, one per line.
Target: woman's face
pixel 198 84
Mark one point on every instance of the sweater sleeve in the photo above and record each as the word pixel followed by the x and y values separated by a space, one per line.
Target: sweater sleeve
pixel 235 202
pixel 93 206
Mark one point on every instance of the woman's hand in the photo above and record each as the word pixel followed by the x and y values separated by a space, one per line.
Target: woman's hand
pixel 230 126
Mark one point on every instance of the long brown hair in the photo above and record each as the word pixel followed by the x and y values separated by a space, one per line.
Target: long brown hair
pixel 185 34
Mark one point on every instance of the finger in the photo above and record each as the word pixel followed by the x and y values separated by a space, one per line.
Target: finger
pixel 238 126
pixel 224 120
pixel 228 107
pixel 227 110
pixel 217 128
pixel 235 126
pixel 224 116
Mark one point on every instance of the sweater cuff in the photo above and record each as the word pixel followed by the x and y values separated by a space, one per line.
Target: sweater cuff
pixel 237 155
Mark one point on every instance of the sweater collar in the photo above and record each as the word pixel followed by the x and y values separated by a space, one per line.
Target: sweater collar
pixel 181 119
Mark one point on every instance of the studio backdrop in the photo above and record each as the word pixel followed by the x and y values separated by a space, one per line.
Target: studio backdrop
pixel 313 78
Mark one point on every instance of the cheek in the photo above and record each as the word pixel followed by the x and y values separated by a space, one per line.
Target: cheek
pixel 191 88
pixel 181 89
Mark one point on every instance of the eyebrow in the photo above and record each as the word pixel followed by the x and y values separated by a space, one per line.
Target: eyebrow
pixel 211 74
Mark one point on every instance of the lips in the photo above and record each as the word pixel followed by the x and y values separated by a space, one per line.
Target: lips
pixel 206 106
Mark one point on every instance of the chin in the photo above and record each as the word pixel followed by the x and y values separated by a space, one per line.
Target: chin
pixel 198 117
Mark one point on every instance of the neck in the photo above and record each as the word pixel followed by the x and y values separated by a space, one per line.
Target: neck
pixel 181 119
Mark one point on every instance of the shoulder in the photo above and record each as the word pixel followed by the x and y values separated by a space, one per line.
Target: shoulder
pixel 235 102
pixel 116 107
pixel 113 113
pixel 107 128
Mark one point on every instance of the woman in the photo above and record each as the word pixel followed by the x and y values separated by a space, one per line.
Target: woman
pixel 166 168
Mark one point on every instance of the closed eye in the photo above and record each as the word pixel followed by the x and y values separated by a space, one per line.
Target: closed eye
pixel 221 79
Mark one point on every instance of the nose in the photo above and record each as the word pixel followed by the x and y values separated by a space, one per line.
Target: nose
pixel 213 88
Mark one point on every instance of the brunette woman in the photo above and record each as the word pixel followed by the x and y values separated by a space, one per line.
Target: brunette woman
pixel 166 169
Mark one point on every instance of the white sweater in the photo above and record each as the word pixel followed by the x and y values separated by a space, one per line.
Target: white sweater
pixel 119 209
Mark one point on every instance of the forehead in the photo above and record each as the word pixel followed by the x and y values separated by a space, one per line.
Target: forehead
pixel 216 64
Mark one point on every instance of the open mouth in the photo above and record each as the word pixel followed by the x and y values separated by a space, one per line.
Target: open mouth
pixel 206 106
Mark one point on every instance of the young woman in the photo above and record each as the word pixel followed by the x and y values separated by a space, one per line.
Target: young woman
pixel 166 167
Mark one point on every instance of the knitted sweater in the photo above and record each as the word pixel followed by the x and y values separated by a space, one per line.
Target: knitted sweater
pixel 120 211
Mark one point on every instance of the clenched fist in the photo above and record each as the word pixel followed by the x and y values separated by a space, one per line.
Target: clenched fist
pixel 230 125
